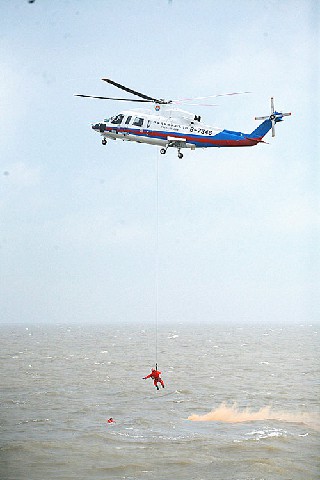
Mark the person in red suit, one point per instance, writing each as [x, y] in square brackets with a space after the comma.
[155, 375]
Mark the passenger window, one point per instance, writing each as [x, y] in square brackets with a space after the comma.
[138, 122]
[128, 120]
[117, 119]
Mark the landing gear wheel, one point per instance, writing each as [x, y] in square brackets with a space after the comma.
[180, 155]
[104, 142]
[163, 151]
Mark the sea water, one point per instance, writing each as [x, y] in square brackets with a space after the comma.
[239, 403]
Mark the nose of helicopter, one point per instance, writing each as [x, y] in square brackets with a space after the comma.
[99, 127]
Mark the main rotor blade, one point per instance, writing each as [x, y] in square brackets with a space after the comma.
[134, 92]
[197, 104]
[209, 96]
[112, 98]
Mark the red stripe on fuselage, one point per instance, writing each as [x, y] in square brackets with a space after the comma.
[195, 139]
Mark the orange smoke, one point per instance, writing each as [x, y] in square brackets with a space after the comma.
[232, 414]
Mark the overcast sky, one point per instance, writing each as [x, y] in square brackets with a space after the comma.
[238, 228]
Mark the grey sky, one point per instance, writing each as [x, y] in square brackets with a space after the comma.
[238, 228]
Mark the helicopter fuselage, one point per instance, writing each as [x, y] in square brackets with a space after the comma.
[178, 129]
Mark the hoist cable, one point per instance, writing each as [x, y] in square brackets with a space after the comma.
[157, 258]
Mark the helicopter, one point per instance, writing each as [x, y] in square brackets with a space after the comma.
[168, 126]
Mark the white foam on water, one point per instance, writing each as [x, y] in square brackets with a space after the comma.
[233, 414]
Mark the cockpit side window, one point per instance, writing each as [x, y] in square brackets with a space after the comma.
[138, 122]
[128, 120]
[117, 119]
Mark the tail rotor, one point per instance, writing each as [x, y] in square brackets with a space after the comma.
[274, 117]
